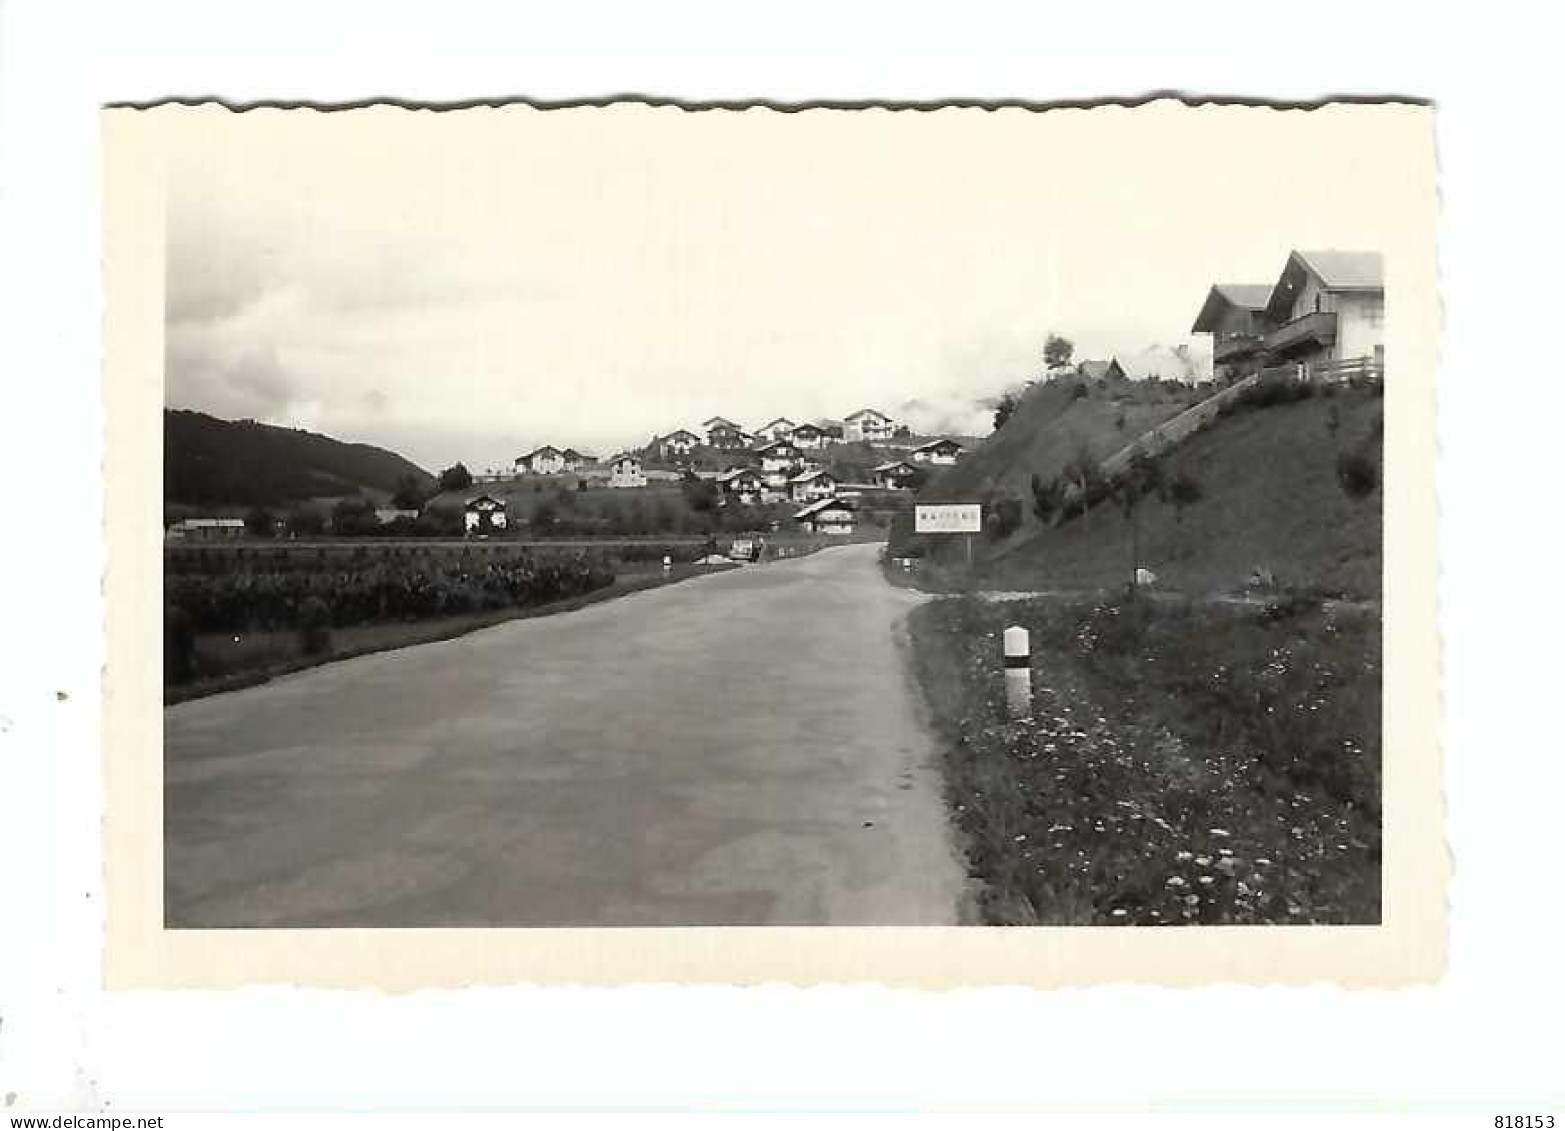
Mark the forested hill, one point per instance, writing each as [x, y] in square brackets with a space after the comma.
[211, 461]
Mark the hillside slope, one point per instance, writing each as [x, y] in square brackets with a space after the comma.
[209, 461]
[1271, 500]
[1051, 422]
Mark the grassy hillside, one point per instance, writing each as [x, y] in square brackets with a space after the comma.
[213, 462]
[1052, 421]
[1271, 500]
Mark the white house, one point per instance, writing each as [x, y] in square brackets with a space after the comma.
[894, 473]
[943, 452]
[207, 528]
[778, 429]
[681, 442]
[827, 516]
[723, 433]
[625, 471]
[779, 455]
[808, 437]
[385, 515]
[547, 460]
[868, 425]
[1328, 310]
[483, 514]
[812, 486]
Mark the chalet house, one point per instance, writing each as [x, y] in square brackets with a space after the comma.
[387, 515]
[574, 460]
[812, 486]
[625, 471]
[207, 529]
[779, 455]
[828, 516]
[778, 429]
[1327, 311]
[483, 515]
[1235, 315]
[741, 485]
[894, 474]
[942, 452]
[1109, 370]
[868, 425]
[547, 460]
[723, 433]
[680, 443]
[809, 437]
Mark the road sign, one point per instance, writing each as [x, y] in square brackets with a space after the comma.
[952, 518]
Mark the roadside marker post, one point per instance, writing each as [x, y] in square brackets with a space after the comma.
[1018, 672]
[668, 563]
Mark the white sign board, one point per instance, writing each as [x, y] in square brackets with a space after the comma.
[953, 518]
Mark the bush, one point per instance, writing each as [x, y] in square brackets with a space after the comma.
[1005, 515]
[1357, 474]
[179, 645]
[314, 627]
[1269, 391]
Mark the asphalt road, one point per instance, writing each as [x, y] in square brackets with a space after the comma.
[743, 748]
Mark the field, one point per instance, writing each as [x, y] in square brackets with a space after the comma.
[235, 614]
[1183, 763]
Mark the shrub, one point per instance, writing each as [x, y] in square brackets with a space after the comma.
[314, 627]
[1005, 515]
[1269, 391]
[1357, 474]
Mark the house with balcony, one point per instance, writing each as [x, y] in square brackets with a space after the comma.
[1327, 313]
[483, 515]
[895, 474]
[723, 433]
[1235, 315]
[942, 452]
[832, 515]
[778, 429]
[867, 425]
[741, 485]
[547, 460]
[625, 471]
[678, 443]
[779, 455]
[808, 437]
[812, 486]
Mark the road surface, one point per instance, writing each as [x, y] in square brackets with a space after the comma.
[742, 748]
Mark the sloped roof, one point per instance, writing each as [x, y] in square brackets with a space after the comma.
[681, 432]
[1098, 368]
[942, 442]
[811, 427]
[805, 477]
[718, 420]
[1346, 270]
[1243, 296]
[773, 444]
[774, 423]
[816, 507]
[891, 463]
[867, 412]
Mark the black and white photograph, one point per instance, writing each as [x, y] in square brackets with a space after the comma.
[679, 519]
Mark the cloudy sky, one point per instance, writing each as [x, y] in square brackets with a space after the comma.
[467, 286]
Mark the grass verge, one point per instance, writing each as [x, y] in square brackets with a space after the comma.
[1183, 763]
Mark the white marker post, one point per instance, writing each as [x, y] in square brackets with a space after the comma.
[668, 563]
[1018, 672]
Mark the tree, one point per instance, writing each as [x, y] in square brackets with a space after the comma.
[304, 521]
[260, 523]
[408, 496]
[354, 517]
[1005, 515]
[1003, 410]
[456, 478]
[1057, 352]
[901, 432]
[1143, 477]
[1048, 499]
[1357, 474]
[1183, 490]
[700, 494]
[1082, 471]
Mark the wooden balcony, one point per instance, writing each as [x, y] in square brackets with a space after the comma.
[1311, 332]
[1236, 346]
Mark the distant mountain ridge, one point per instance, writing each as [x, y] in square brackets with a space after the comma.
[210, 461]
